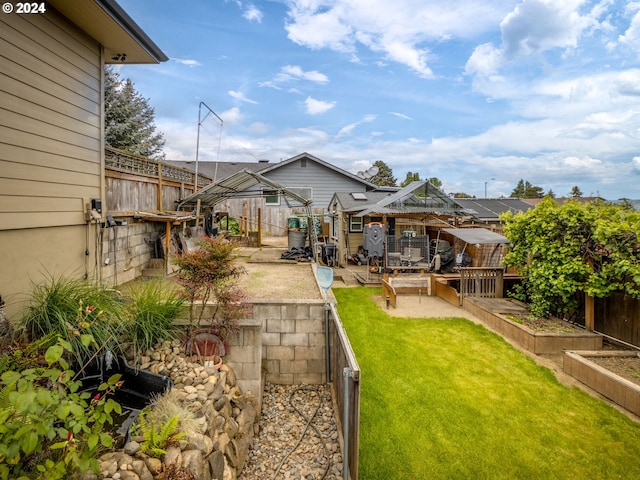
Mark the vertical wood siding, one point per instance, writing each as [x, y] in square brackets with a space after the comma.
[50, 132]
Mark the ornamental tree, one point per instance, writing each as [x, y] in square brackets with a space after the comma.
[565, 251]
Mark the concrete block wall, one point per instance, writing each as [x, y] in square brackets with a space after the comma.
[293, 340]
[128, 249]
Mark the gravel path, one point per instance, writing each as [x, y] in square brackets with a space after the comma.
[298, 437]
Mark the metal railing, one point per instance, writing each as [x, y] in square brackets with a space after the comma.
[344, 375]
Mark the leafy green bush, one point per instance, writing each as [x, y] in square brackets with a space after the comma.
[564, 251]
[77, 311]
[48, 428]
[153, 306]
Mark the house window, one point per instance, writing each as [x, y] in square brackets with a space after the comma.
[303, 162]
[271, 197]
[355, 224]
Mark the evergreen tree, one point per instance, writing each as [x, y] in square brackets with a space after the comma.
[575, 192]
[524, 189]
[384, 177]
[129, 119]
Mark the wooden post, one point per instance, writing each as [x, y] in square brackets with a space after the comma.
[160, 199]
[259, 227]
[589, 312]
[245, 220]
[167, 242]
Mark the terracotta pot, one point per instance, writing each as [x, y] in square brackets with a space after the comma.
[206, 344]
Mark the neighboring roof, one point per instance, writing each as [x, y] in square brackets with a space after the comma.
[273, 166]
[490, 209]
[418, 198]
[219, 170]
[237, 185]
[477, 235]
[105, 21]
[349, 202]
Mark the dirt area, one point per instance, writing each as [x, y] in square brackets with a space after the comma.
[269, 277]
[626, 367]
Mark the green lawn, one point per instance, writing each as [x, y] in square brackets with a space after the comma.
[447, 399]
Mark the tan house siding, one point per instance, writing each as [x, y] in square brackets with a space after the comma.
[50, 121]
[51, 147]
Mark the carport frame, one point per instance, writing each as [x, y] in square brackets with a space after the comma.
[238, 185]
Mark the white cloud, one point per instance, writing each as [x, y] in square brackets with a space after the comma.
[292, 73]
[253, 14]
[532, 28]
[240, 96]
[187, 62]
[316, 107]
[401, 115]
[398, 33]
[233, 116]
[348, 129]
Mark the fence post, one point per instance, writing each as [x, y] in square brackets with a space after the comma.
[347, 373]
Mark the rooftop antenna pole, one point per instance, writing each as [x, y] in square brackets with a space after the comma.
[200, 121]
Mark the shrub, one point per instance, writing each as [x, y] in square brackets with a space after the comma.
[77, 311]
[153, 306]
[48, 428]
[209, 274]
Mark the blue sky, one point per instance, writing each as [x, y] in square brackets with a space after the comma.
[477, 93]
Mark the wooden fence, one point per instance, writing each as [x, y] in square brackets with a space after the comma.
[618, 316]
[135, 183]
[481, 282]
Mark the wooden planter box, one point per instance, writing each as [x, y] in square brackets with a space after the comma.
[606, 383]
[531, 340]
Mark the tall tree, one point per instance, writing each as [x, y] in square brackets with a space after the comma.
[524, 189]
[575, 192]
[384, 177]
[411, 177]
[129, 118]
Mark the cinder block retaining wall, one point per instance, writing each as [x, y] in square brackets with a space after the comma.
[283, 340]
[125, 251]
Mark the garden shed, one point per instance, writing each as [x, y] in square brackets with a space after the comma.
[410, 219]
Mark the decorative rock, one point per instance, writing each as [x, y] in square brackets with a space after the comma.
[131, 448]
[197, 441]
[194, 461]
[154, 465]
[173, 455]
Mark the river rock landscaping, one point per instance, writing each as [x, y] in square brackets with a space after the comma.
[295, 437]
[225, 418]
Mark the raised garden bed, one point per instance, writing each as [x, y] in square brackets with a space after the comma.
[588, 367]
[542, 341]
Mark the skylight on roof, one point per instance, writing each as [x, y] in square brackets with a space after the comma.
[358, 195]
